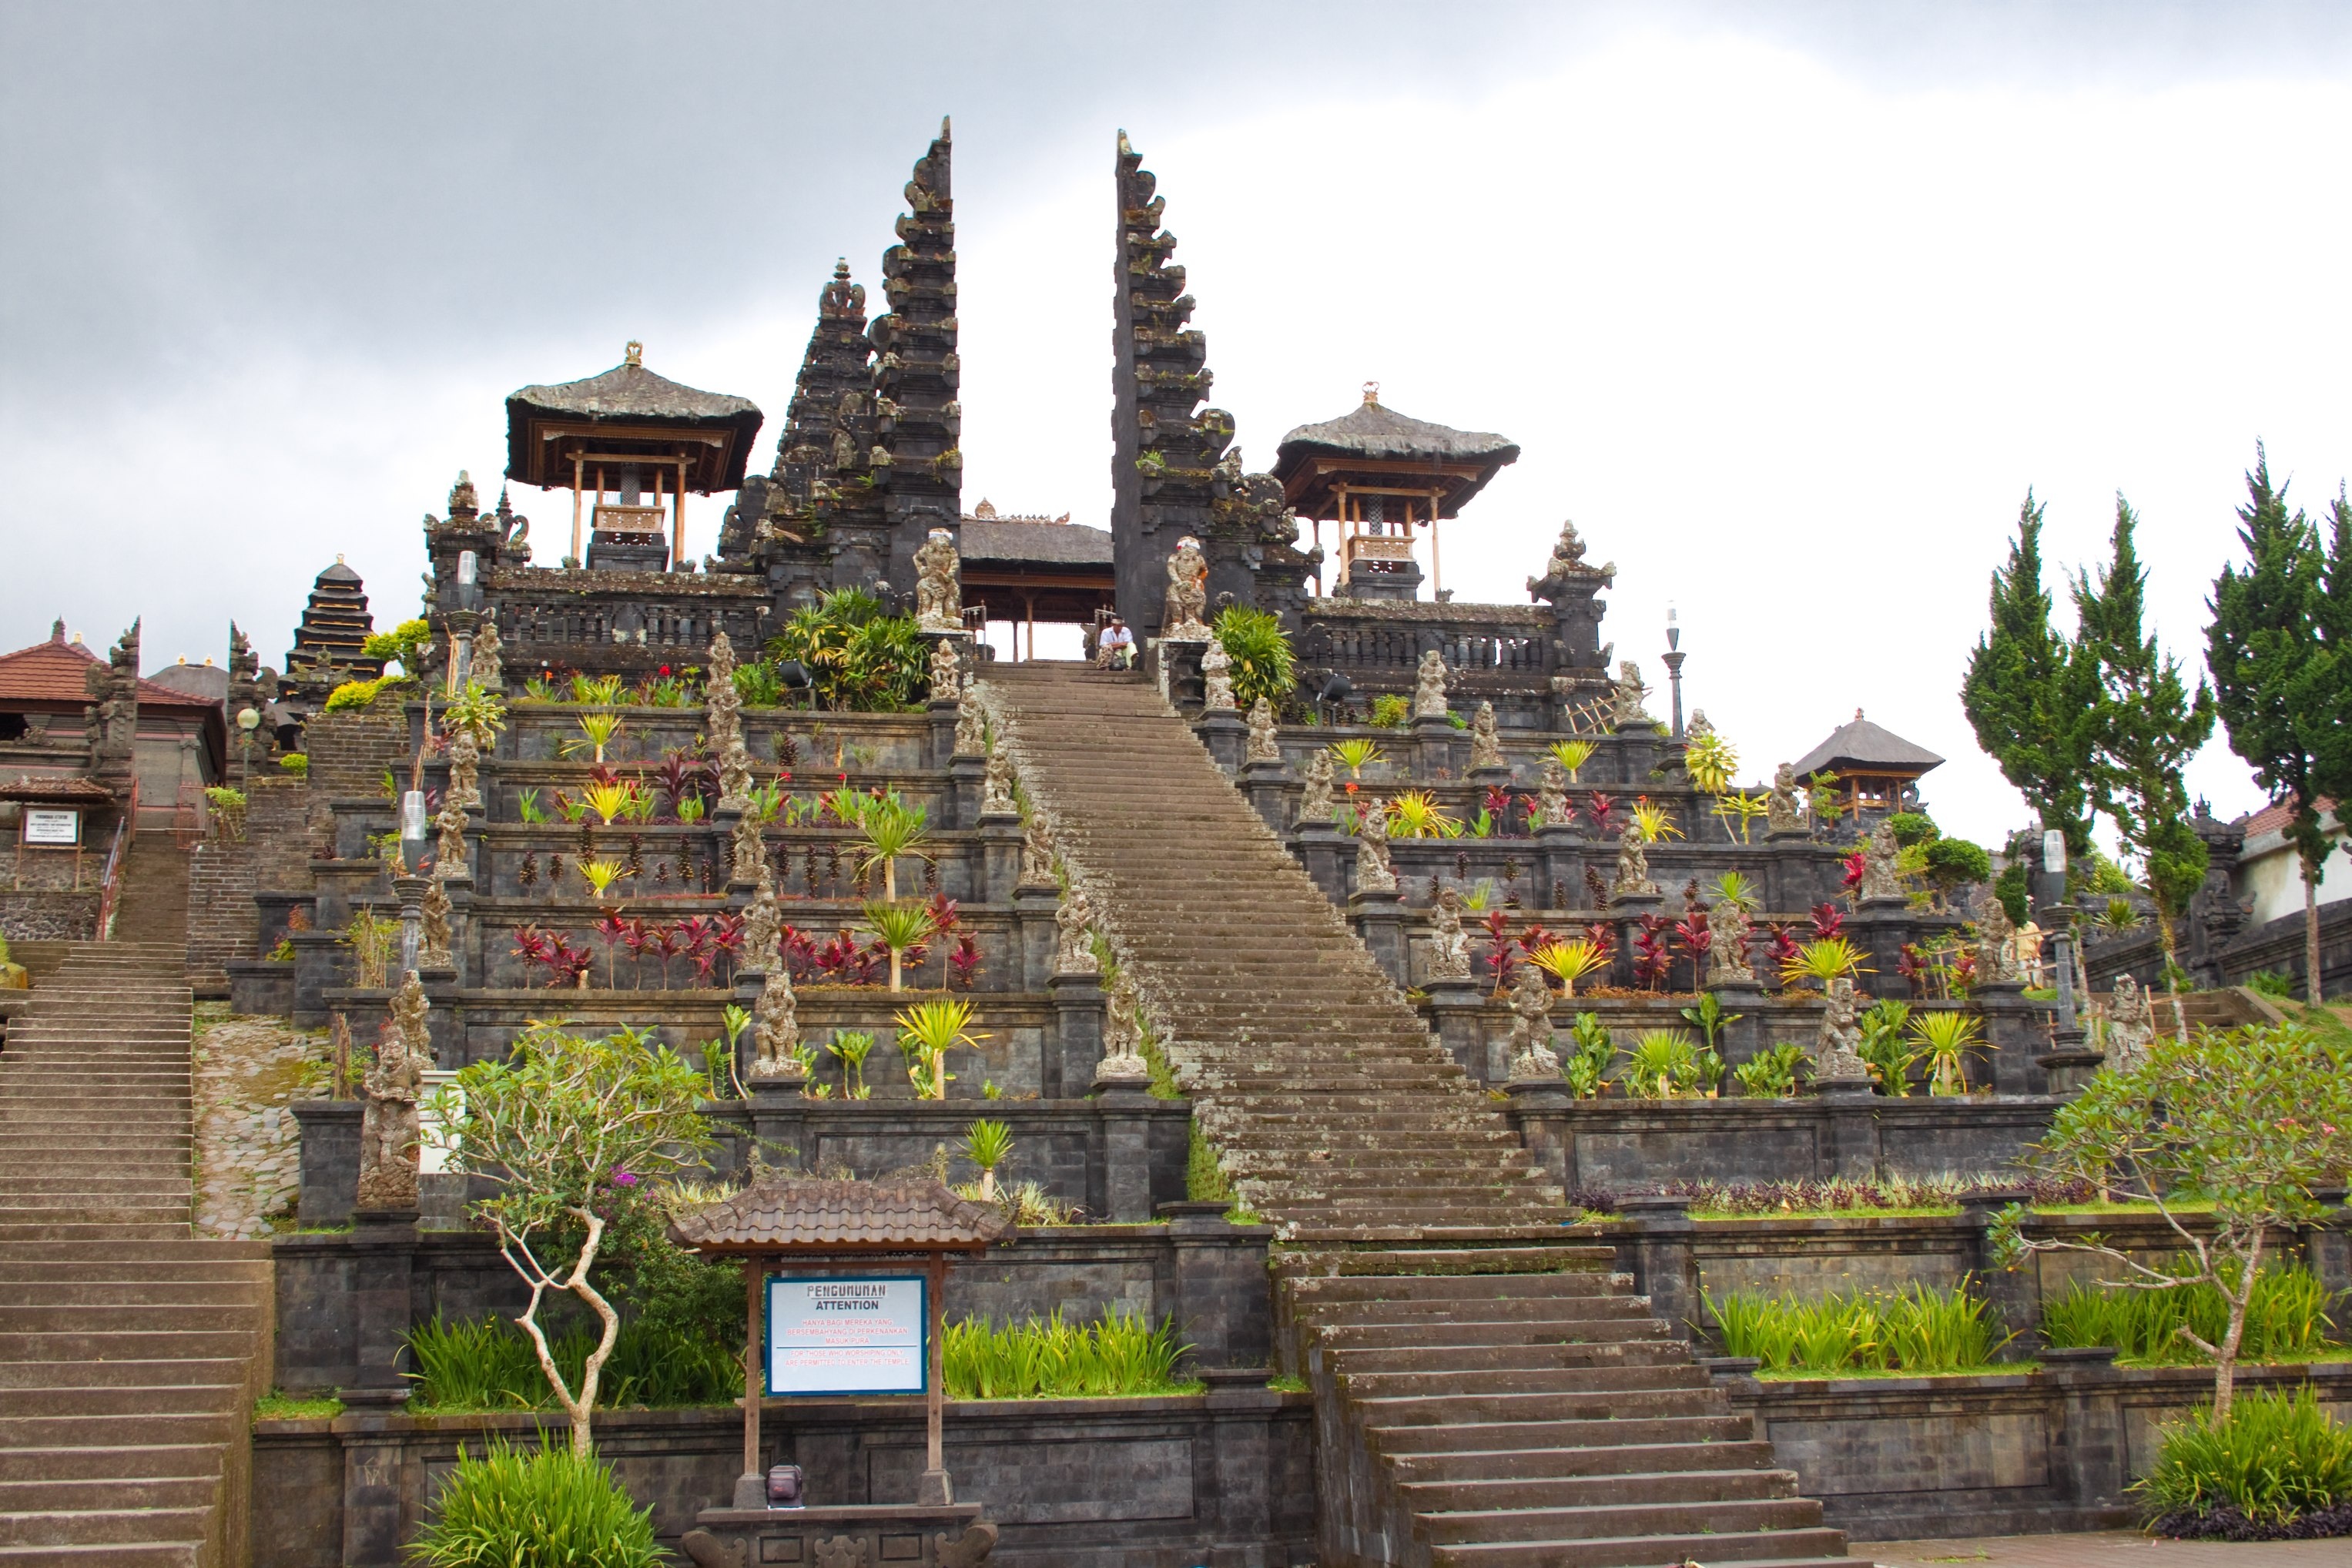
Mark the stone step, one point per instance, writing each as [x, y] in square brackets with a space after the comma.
[1358, 1363]
[119, 1429]
[1434, 1409]
[108, 1526]
[57, 1346]
[1774, 1548]
[1413, 1264]
[1515, 1310]
[142, 1291]
[1624, 1324]
[1397, 1440]
[116, 1387]
[1632, 1458]
[1583, 1272]
[97, 1463]
[1576, 1381]
[142, 1318]
[96, 1493]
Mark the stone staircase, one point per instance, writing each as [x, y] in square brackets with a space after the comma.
[129, 1350]
[153, 908]
[1488, 1391]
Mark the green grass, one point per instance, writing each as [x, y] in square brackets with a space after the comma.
[276, 1407]
[1913, 1211]
[1797, 1375]
[2184, 1207]
[545, 1507]
[1905, 1333]
[1287, 1385]
[488, 1364]
[1050, 1358]
[2286, 1322]
[2277, 1455]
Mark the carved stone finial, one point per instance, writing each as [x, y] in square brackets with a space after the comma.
[464, 503]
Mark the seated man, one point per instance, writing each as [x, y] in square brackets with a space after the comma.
[1117, 647]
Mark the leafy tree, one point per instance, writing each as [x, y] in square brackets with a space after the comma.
[2251, 1121]
[859, 657]
[2273, 670]
[566, 1127]
[2144, 725]
[404, 643]
[2026, 695]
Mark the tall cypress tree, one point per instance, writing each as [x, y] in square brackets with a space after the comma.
[2144, 726]
[2026, 695]
[2269, 663]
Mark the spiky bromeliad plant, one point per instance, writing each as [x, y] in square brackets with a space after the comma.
[891, 829]
[1946, 1039]
[927, 1032]
[900, 929]
[1568, 961]
[1572, 755]
[1355, 754]
[1260, 648]
[1415, 813]
[986, 1144]
[1822, 961]
[1656, 820]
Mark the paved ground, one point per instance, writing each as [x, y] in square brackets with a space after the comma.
[2102, 1549]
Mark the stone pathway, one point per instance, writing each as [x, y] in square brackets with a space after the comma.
[2103, 1549]
[248, 1147]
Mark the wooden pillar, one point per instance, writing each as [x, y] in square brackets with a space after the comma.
[1029, 609]
[678, 523]
[577, 462]
[1436, 576]
[754, 1380]
[937, 1487]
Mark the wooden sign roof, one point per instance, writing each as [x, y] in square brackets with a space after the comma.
[1374, 446]
[629, 412]
[783, 1215]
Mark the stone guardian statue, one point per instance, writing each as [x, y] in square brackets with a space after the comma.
[1188, 594]
[1531, 1052]
[1837, 1048]
[1449, 944]
[388, 1125]
[1315, 800]
[938, 590]
[1373, 874]
[1262, 746]
[1074, 933]
[1485, 745]
[1429, 687]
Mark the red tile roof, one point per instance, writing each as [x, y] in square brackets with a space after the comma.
[777, 1214]
[57, 789]
[2272, 818]
[57, 671]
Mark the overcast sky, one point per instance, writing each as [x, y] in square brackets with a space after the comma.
[1787, 306]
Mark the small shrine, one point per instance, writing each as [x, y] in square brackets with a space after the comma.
[630, 446]
[1022, 570]
[1876, 769]
[334, 629]
[1379, 474]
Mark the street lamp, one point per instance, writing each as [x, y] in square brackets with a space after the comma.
[2054, 905]
[247, 722]
[1675, 657]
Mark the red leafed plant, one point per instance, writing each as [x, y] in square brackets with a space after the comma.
[1653, 962]
[611, 928]
[1498, 806]
[834, 958]
[945, 918]
[963, 962]
[800, 953]
[1786, 948]
[1854, 863]
[1598, 807]
[1692, 931]
[1498, 948]
[1913, 966]
[1603, 938]
[1828, 920]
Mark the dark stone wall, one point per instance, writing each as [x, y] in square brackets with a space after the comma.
[1224, 1476]
[43, 916]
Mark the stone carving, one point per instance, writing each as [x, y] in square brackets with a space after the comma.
[449, 849]
[1449, 944]
[489, 670]
[1837, 1049]
[724, 727]
[465, 501]
[971, 726]
[1074, 934]
[947, 670]
[1552, 798]
[764, 924]
[842, 1551]
[1996, 945]
[775, 1029]
[1531, 1052]
[1567, 562]
[1262, 746]
[1727, 954]
[1037, 852]
[1784, 813]
[1632, 865]
[1878, 866]
[1485, 745]
[750, 849]
[111, 720]
[435, 953]
[1217, 678]
[1314, 802]
[1700, 725]
[2131, 1025]
[938, 590]
[1122, 1060]
[1188, 594]
[1429, 687]
[464, 790]
[996, 797]
[1629, 692]
[388, 1131]
[1373, 874]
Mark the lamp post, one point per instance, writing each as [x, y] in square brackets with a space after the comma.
[247, 722]
[2052, 898]
[1675, 657]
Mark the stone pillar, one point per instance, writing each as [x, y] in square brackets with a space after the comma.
[1743, 1038]
[2327, 1251]
[1452, 1010]
[1177, 666]
[1224, 732]
[384, 1259]
[1000, 849]
[372, 1488]
[779, 1121]
[330, 1160]
[2094, 1460]
[2069, 1069]
[1241, 1499]
[1377, 915]
[2015, 1302]
[1850, 1143]
[1665, 1268]
[1069, 1067]
[1559, 857]
[1487, 779]
[1122, 1105]
[1539, 1110]
[1883, 926]
[445, 1022]
[1638, 748]
[1033, 936]
[967, 786]
[2019, 1033]
[941, 752]
[464, 948]
[1224, 1304]
[1326, 853]
[1266, 786]
[1434, 738]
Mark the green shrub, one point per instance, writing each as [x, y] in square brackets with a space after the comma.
[2270, 982]
[1952, 862]
[297, 763]
[1047, 1358]
[353, 695]
[1772, 1074]
[1390, 712]
[1204, 1181]
[2276, 1456]
[545, 1510]
[2287, 1317]
[488, 1364]
[1914, 1329]
[1260, 650]
[1913, 827]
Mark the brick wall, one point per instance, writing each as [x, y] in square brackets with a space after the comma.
[348, 752]
[223, 878]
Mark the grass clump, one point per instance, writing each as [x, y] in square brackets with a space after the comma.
[488, 1364]
[1917, 1330]
[509, 1510]
[278, 1405]
[2276, 1468]
[1049, 1358]
[2286, 1321]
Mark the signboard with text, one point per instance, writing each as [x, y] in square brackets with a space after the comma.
[62, 829]
[838, 1334]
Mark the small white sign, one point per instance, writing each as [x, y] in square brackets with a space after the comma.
[841, 1335]
[50, 826]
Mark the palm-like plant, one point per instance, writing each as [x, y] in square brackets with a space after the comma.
[985, 1144]
[1567, 962]
[1737, 888]
[609, 799]
[1656, 820]
[1356, 756]
[1260, 651]
[598, 691]
[601, 873]
[891, 829]
[1662, 1063]
[858, 656]
[1823, 961]
[1415, 813]
[1711, 761]
[927, 1032]
[597, 732]
[477, 713]
[1739, 809]
[1946, 1038]
[849, 1047]
[1571, 755]
[900, 928]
